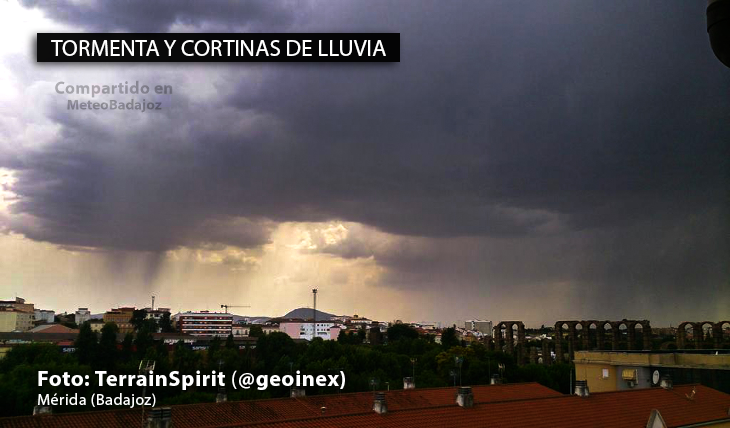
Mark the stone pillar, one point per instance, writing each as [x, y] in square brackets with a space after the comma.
[498, 337]
[682, 335]
[586, 335]
[533, 355]
[509, 338]
[600, 336]
[699, 335]
[616, 332]
[521, 343]
[558, 338]
[572, 334]
[631, 328]
[717, 335]
[647, 335]
[546, 358]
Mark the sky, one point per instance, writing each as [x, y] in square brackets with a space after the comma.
[525, 160]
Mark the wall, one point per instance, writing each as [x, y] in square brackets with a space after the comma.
[291, 328]
[8, 320]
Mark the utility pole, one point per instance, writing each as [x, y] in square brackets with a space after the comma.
[314, 314]
[153, 302]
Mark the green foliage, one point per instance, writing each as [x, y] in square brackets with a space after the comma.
[366, 366]
[166, 324]
[398, 332]
[256, 331]
[448, 338]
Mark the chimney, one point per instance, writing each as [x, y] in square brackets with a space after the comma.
[666, 382]
[379, 404]
[42, 410]
[464, 397]
[298, 392]
[159, 417]
[221, 397]
[581, 388]
[496, 380]
[409, 383]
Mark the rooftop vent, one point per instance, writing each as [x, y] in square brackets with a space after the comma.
[409, 383]
[666, 382]
[42, 410]
[464, 397]
[298, 392]
[159, 417]
[379, 404]
[496, 380]
[221, 397]
[581, 388]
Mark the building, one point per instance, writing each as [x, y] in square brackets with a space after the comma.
[303, 329]
[270, 328]
[12, 319]
[622, 370]
[482, 326]
[240, 330]
[82, 315]
[122, 317]
[44, 316]
[156, 314]
[504, 406]
[96, 325]
[205, 323]
[19, 304]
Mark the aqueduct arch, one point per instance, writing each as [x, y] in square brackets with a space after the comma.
[507, 340]
[600, 335]
[698, 334]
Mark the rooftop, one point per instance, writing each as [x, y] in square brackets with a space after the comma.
[511, 405]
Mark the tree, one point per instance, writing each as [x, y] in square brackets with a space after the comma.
[143, 340]
[138, 318]
[398, 332]
[86, 344]
[230, 344]
[166, 323]
[375, 337]
[255, 331]
[107, 355]
[448, 338]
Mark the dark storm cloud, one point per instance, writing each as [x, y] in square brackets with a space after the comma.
[598, 127]
[158, 16]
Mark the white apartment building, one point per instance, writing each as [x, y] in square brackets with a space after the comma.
[482, 326]
[46, 316]
[205, 323]
[82, 315]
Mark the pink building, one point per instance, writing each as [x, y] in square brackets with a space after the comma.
[301, 329]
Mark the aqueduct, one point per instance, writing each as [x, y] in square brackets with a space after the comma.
[698, 333]
[614, 333]
[568, 336]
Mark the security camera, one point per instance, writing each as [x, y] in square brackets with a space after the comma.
[718, 28]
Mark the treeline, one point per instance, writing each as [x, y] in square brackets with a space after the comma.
[373, 366]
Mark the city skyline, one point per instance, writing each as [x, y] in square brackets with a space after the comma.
[535, 161]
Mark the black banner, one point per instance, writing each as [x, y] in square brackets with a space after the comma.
[218, 47]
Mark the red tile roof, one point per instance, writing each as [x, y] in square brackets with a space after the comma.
[602, 410]
[512, 405]
[242, 412]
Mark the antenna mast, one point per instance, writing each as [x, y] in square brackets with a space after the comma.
[314, 314]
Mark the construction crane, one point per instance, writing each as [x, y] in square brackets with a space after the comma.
[234, 306]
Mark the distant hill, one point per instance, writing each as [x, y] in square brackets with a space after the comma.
[306, 313]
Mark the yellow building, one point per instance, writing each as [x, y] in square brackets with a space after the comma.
[615, 371]
[12, 319]
[121, 317]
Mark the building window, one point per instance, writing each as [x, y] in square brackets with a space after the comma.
[605, 373]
